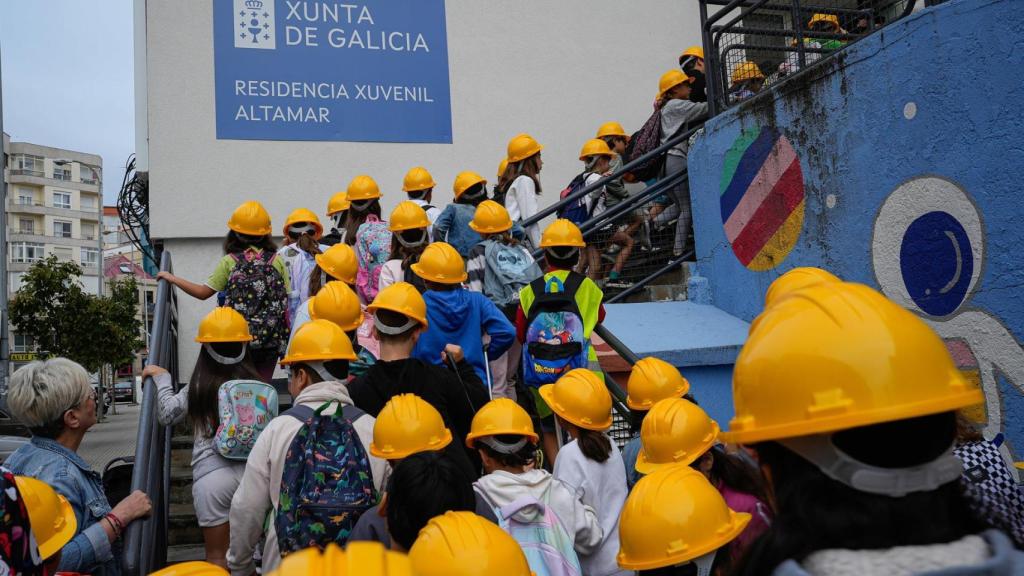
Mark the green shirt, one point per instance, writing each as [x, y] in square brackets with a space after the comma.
[218, 280]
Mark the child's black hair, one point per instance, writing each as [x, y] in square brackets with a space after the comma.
[393, 319]
[473, 195]
[562, 263]
[526, 455]
[439, 287]
[595, 445]
[235, 243]
[422, 486]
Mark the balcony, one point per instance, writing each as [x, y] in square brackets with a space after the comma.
[40, 237]
[42, 209]
[24, 172]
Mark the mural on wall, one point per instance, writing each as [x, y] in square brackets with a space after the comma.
[762, 198]
[928, 254]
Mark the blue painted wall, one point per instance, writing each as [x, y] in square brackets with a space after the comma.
[912, 163]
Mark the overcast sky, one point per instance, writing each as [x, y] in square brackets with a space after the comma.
[67, 78]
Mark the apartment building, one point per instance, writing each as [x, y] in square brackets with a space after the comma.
[54, 206]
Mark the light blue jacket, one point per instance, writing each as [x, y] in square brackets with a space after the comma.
[452, 226]
[629, 453]
[90, 551]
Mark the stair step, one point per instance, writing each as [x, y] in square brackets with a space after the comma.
[185, 553]
[182, 526]
[181, 485]
[182, 441]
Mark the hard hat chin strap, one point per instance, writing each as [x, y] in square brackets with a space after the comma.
[704, 563]
[896, 482]
[227, 361]
[320, 369]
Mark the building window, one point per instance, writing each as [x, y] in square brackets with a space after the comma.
[90, 257]
[26, 197]
[88, 232]
[61, 172]
[125, 268]
[28, 164]
[62, 200]
[62, 228]
[88, 174]
[23, 343]
[26, 252]
[88, 203]
[26, 226]
[62, 253]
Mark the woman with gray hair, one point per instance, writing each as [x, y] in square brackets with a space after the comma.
[54, 399]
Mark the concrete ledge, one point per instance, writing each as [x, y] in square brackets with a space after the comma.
[680, 333]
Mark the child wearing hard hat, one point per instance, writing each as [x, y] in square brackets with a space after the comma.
[675, 523]
[317, 360]
[224, 356]
[859, 453]
[418, 184]
[591, 464]
[513, 484]
[255, 282]
[35, 524]
[410, 229]
[691, 62]
[525, 164]
[747, 81]
[357, 559]
[338, 303]
[678, 113]
[302, 232]
[650, 380]
[456, 315]
[596, 157]
[452, 226]
[337, 213]
[368, 234]
[464, 544]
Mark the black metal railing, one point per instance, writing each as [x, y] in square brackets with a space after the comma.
[145, 541]
[752, 44]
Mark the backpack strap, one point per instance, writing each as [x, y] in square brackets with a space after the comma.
[572, 283]
[300, 412]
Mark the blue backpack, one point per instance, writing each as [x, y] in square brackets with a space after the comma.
[326, 484]
[246, 407]
[547, 545]
[575, 211]
[555, 341]
[507, 270]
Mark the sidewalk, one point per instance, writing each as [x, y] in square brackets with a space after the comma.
[113, 437]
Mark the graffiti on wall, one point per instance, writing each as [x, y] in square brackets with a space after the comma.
[928, 254]
[762, 198]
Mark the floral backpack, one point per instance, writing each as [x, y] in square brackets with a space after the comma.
[246, 407]
[257, 291]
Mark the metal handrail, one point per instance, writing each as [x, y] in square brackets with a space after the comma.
[670, 265]
[628, 167]
[145, 541]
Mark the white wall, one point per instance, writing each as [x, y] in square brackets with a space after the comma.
[554, 69]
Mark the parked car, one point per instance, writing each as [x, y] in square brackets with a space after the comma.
[11, 427]
[124, 391]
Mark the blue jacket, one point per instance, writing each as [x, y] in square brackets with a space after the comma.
[452, 226]
[90, 550]
[462, 317]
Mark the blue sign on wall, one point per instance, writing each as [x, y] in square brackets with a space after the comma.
[373, 71]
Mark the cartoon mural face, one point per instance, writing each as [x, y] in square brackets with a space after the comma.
[928, 253]
[762, 198]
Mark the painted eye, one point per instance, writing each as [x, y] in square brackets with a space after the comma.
[928, 246]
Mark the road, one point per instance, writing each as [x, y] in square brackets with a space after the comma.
[113, 437]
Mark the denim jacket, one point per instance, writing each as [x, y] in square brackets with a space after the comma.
[452, 226]
[90, 551]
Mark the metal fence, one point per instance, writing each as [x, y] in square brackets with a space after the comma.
[753, 44]
[145, 541]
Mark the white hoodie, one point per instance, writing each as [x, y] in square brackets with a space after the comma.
[260, 489]
[501, 488]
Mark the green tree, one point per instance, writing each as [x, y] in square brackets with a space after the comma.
[64, 320]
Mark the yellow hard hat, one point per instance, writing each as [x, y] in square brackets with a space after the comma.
[223, 324]
[407, 216]
[562, 232]
[794, 280]
[611, 129]
[339, 262]
[319, 341]
[580, 397]
[653, 379]
[490, 218]
[363, 188]
[466, 180]
[303, 215]
[675, 431]
[501, 167]
[674, 516]
[358, 559]
[670, 80]
[464, 544]
[51, 515]
[746, 70]
[195, 568]
[695, 51]
[830, 18]
[251, 219]
[418, 179]
[595, 147]
[440, 263]
[403, 298]
[337, 302]
[521, 147]
[835, 356]
[338, 203]
[407, 425]
[501, 416]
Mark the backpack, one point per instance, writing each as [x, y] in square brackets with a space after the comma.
[548, 546]
[326, 484]
[555, 341]
[246, 407]
[300, 266]
[647, 138]
[256, 290]
[507, 269]
[575, 211]
[409, 276]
